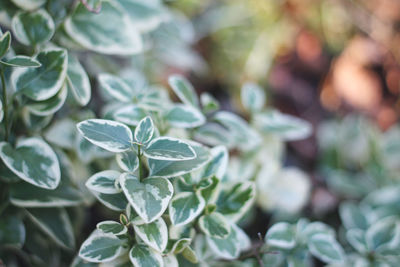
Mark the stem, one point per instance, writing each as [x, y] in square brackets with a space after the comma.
[5, 106]
[140, 163]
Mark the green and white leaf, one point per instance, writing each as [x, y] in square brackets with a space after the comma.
[168, 148]
[352, 216]
[253, 97]
[190, 255]
[28, 4]
[104, 182]
[110, 135]
[62, 133]
[112, 227]
[144, 131]
[12, 231]
[26, 195]
[115, 202]
[116, 87]
[5, 41]
[218, 163]
[289, 128]
[45, 81]
[48, 106]
[215, 225]
[383, 234]
[185, 116]
[101, 247]
[149, 197]
[214, 134]
[34, 161]
[184, 90]
[168, 169]
[209, 189]
[326, 248]
[21, 61]
[356, 238]
[130, 114]
[143, 256]
[185, 207]
[78, 81]
[154, 234]
[281, 235]
[33, 28]
[128, 161]
[90, 30]
[209, 103]
[55, 223]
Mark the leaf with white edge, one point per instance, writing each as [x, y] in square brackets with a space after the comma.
[34, 161]
[168, 148]
[246, 138]
[185, 116]
[281, 235]
[55, 223]
[104, 182]
[12, 231]
[87, 151]
[144, 131]
[128, 161]
[48, 106]
[112, 227]
[5, 41]
[116, 87]
[215, 225]
[356, 238]
[154, 234]
[315, 228]
[89, 30]
[230, 247]
[185, 207]
[190, 255]
[253, 97]
[29, 4]
[352, 216]
[237, 200]
[21, 61]
[149, 197]
[170, 261]
[168, 169]
[184, 90]
[214, 134]
[383, 234]
[289, 128]
[26, 195]
[130, 114]
[109, 135]
[209, 189]
[218, 163]
[326, 248]
[1, 111]
[33, 28]
[101, 247]
[115, 202]
[45, 81]
[179, 245]
[209, 103]
[62, 133]
[78, 81]
[142, 256]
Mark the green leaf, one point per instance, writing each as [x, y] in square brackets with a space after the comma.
[26, 195]
[356, 238]
[33, 28]
[289, 128]
[21, 61]
[62, 133]
[218, 163]
[5, 41]
[149, 197]
[184, 90]
[253, 97]
[142, 256]
[326, 248]
[104, 182]
[112, 227]
[130, 114]
[128, 161]
[236, 201]
[214, 134]
[110, 135]
[144, 131]
[209, 103]
[209, 189]
[43, 82]
[12, 231]
[91, 31]
[116, 87]
[179, 245]
[352, 216]
[383, 234]
[101, 247]
[34, 161]
[230, 247]
[55, 223]
[1, 111]
[167, 169]
[154, 234]
[168, 148]
[190, 255]
[115, 202]
[281, 235]
[78, 81]
[215, 225]
[49, 106]
[29, 4]
[185, 116]
[185, 207]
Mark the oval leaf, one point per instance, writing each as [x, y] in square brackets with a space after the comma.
[141, 255]
[168, 148]
[130, 114]
[214, 225]
[154, 234]
[185, 207]
[112, 227]
[144, 131]
[185, 116]
[184, 90]
[100, 247]
[326, 248]
[281, 235]
[78, 81]
[116, 87]
[22, 61]
[104, 182]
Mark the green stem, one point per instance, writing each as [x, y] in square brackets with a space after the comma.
[140, 163]
[5, 106]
